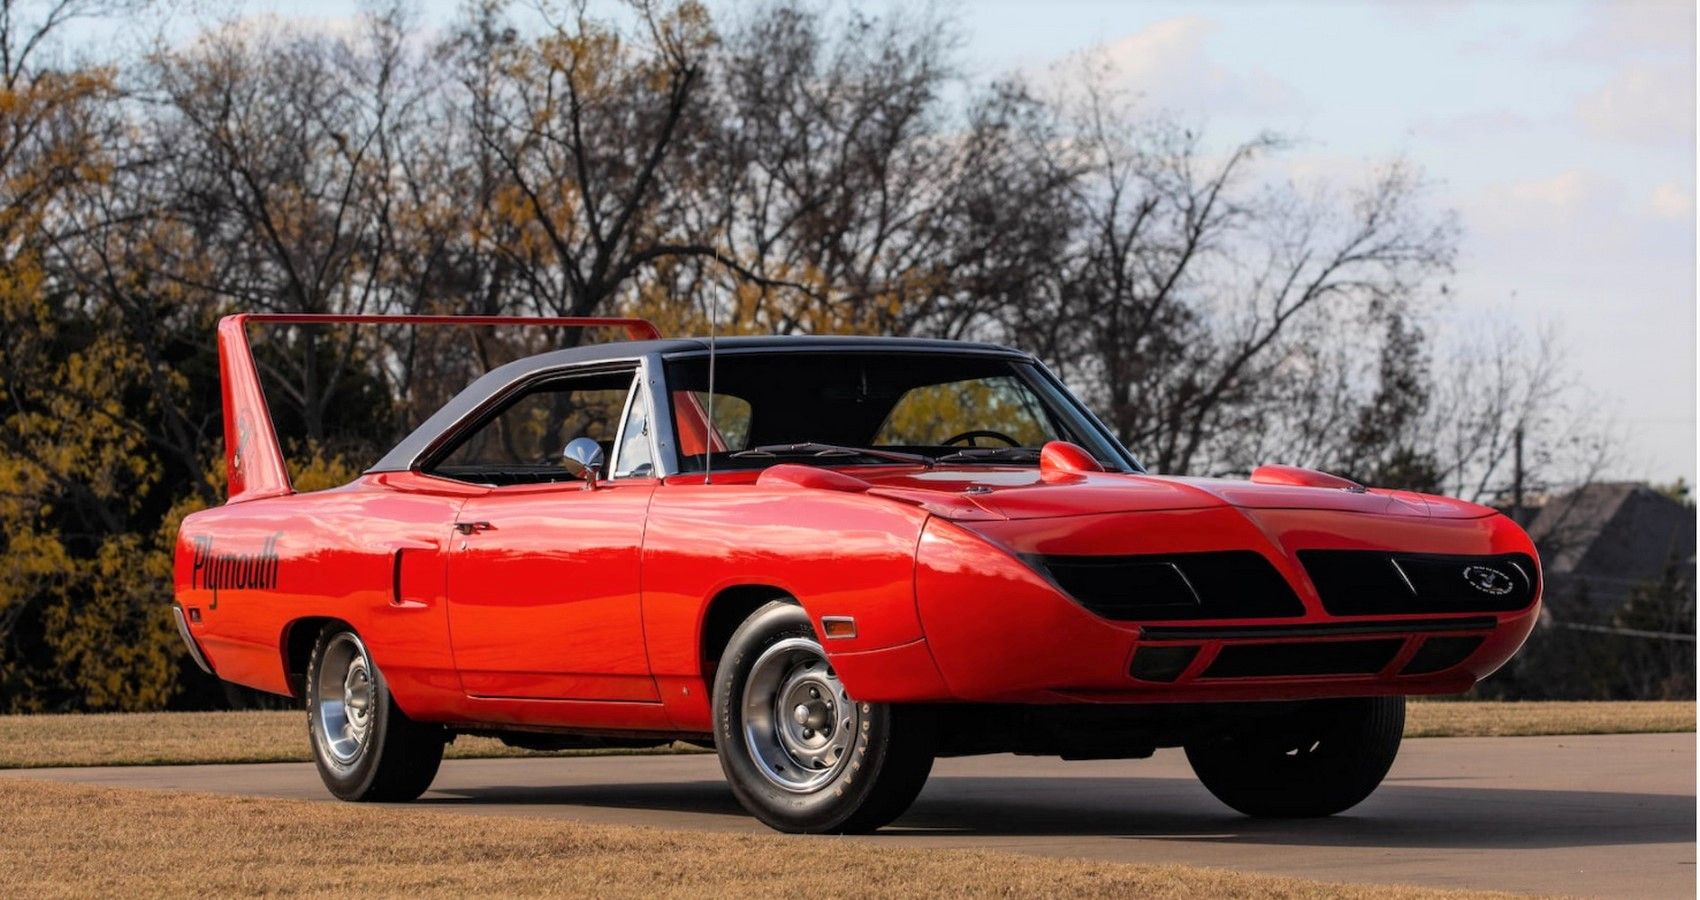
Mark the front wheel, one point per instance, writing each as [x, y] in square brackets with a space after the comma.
[1324, 759]
[801, 754]
[365, 747]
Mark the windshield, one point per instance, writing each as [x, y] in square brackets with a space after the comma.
[921, 408]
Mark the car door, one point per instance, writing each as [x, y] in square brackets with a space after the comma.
[543, 569]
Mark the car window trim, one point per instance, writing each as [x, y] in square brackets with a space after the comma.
[635, 394]
[446, 442]
[1025, 367]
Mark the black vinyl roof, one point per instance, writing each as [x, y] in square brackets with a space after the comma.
[499, 379]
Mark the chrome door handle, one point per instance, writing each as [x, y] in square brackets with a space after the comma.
[472, 527]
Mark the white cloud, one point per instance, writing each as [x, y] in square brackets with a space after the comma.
[1617, 30]
[1555, 200]
[1646, 50]
[1673, 200]
[1643, 102]
[1168, 64]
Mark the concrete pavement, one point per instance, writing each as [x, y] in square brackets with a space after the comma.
[1609, 815]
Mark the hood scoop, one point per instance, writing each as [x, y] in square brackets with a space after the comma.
[796, 475]
[938, 503]
[1297, 477]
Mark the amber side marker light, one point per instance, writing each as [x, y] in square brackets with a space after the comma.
[837, 627]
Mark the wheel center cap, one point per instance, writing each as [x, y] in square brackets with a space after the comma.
[811, 714]
[357, 692]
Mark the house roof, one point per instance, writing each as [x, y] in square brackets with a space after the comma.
[1613, 535]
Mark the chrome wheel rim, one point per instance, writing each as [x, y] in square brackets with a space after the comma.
[799, 722]
[345, 699]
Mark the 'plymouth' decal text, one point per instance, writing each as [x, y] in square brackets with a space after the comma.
[233, 571]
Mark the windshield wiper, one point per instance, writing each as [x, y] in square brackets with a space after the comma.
[828, 451]
[991, 455]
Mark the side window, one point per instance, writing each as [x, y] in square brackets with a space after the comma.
[522, 443]
[634, 458]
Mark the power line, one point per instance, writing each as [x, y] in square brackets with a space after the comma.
[1627, 632]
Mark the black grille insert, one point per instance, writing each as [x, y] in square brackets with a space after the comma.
[1162, 664]
[1314, 658]
[1438, 654]
[1235, 584]
[1314, 629]
[1375, 582]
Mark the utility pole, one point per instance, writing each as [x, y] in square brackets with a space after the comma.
[1517, 476]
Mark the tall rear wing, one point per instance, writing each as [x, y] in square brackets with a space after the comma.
[252, 454]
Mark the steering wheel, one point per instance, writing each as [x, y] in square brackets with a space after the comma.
[978, 433]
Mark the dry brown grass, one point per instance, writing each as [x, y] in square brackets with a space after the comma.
[74, 841]
[1485, 719]
[233, 737]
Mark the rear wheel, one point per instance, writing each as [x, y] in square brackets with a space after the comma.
[801, 754]
[1324, 759]
[365, 747]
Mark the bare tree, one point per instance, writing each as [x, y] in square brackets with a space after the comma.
[840, 164]
[1196, 281]
[279, 160]
[1501, 387]
[586, 125]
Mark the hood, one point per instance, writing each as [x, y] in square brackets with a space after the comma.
[1023, 493]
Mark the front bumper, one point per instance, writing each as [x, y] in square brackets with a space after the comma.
[998, 630]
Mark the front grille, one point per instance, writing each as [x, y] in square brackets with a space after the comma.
[1365, 657]
[1376, 582]
[1237, 584]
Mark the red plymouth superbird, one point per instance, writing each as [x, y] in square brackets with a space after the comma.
[831, 559]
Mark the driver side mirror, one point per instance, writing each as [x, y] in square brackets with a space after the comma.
[583, 459]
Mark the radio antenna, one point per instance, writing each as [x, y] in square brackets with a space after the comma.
[708, 428]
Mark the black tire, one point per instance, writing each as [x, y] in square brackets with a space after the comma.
[886, 755]
[395, 758]
[1324, 759]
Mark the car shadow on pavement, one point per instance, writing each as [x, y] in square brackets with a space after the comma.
[1396, 816]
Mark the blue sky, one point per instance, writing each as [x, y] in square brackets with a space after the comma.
[1563, 134]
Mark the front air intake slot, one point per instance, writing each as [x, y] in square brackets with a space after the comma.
[1376, 582]
[1162, 664]
[1437, 654]
[1318, 658]
[1236, 584]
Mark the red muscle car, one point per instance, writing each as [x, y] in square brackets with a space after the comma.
[831, 559]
